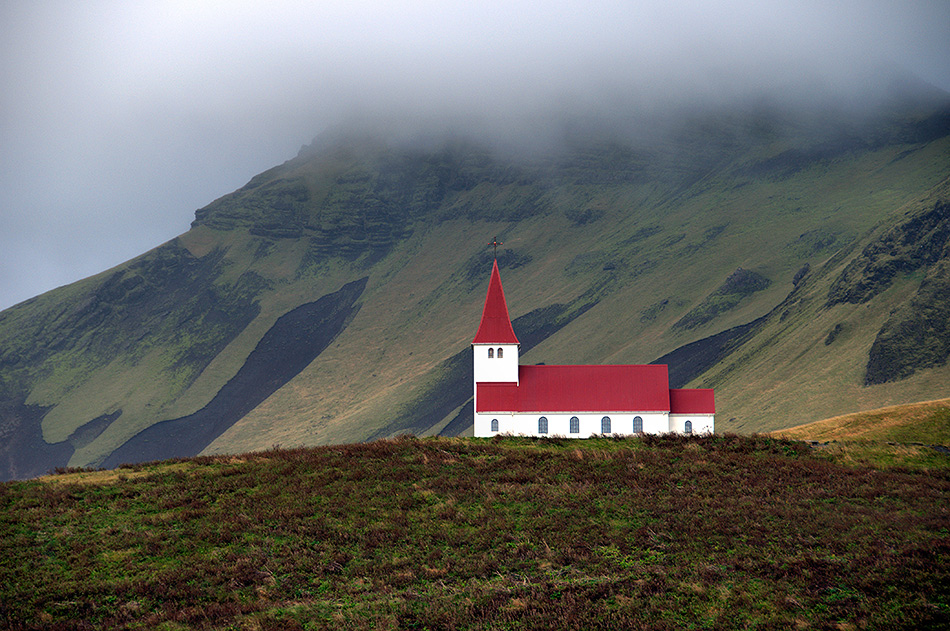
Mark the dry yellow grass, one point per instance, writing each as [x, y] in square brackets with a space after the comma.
[111, 476]
[924, 422]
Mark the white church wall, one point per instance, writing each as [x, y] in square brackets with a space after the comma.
[655, 423]
[701, 423]
[482, 426]
[527, 424]
[495, 369]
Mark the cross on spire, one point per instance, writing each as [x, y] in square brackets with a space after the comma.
[495, 243]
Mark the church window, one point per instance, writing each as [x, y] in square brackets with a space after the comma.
[575, 425]
[689, 427]
[494, 425]
[543, 425]
[605, 425]
[637, 424]
[491, 353]
[501, 352]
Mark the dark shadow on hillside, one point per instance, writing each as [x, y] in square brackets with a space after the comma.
[462, 421]
[23, 452]
[738, 285]
[295, 340]
[688, 362]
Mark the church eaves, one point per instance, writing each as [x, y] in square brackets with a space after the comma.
[495, 327]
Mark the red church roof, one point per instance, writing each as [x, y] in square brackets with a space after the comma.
[495, 327]
[632, 388]
[692, 401]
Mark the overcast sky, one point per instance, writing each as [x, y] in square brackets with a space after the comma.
[119, 119]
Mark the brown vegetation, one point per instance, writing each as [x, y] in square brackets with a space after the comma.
[722, 532]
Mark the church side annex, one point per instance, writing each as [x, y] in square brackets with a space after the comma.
[573, 401]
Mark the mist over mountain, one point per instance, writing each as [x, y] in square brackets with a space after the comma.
[118, 120]
[813, 108]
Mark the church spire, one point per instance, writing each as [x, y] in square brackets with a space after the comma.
[495, 327]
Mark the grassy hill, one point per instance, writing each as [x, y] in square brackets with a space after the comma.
[722, 532]
[915, 435]
[926, 422]
[796, 263]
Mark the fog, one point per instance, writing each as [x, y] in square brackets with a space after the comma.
[118, 119]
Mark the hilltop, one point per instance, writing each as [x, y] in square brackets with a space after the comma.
[925, 422]
[722, 532]
[794, 261]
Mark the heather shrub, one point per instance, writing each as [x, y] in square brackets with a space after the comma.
[671, 532]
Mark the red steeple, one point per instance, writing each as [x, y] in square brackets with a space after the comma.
[495, 327]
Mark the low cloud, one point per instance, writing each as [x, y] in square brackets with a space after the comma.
[119, 119]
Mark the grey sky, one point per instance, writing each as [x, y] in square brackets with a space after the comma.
[119, 119]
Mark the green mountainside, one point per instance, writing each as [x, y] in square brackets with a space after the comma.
[797, 264]
[648, 532]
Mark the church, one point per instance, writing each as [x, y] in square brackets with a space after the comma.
[573, 401]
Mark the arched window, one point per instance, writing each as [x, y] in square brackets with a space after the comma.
[575, 425]
[543, 425]
[501, 353]
[637, 424]
[605, 425]
[689, 427]
[494, 425]
[491, 353]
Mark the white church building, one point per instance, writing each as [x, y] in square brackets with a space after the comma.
[573, 401]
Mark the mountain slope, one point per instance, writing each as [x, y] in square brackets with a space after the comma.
[757, 236]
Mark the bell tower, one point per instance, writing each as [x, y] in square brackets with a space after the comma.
[495, 347]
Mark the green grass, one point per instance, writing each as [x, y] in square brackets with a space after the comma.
[882, 455]
[722, 532]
